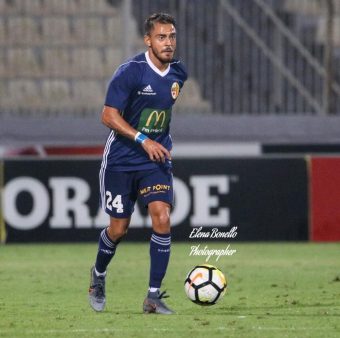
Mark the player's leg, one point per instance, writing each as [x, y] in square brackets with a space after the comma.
[156, 190]
[108, 241]
[159, 243]
[159, 257]
[118, 202]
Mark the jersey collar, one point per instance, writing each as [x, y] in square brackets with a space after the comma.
[154, 68]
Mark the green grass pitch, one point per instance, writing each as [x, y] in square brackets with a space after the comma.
[274, 290]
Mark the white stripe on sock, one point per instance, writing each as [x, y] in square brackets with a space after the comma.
[164, 243]
[106, 240]
[161, 239]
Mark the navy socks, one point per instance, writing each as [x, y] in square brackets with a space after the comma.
[106, 251]
[159, 255]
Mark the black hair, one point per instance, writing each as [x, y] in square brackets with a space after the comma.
[157, 17]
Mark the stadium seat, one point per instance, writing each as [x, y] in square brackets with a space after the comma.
[40, 7]
[89, 93]
[4, 93]
[89, 30]
[19, 7]
[24, 94]
[47, 7]
[114, 30]
[23, 30]
[87, 62]
[3, 33]
[56, 30]
[98, 7]
[2, 7]
[56, 61]
[65, 7]
[3, 64]
[23, 62]
[56, 94]
[9, 7]
[113, 57]
[31, 7]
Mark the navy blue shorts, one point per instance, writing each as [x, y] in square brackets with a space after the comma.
[119, 190]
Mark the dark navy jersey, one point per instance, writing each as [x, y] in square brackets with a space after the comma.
[144, 95]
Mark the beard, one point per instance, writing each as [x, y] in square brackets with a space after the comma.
[165, 56]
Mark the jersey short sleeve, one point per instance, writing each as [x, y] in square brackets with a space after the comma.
[122, 83]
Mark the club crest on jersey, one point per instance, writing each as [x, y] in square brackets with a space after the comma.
[175, 90]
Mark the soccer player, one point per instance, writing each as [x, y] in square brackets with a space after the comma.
[137, 160]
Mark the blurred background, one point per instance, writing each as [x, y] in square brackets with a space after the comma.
[260, 70]
[264, 79]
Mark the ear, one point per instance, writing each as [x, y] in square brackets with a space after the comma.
[147, 40]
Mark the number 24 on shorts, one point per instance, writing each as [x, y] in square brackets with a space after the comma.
[114, 203]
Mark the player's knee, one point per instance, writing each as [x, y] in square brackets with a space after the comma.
[163, 219]
[161, 222]
[117, 230]
[118, 234]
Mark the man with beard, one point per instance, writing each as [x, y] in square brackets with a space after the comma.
[137, 156]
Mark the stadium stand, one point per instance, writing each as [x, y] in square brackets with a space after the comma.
[321, 33]
[256, 57]
[256, 66]
[312, 14]
[59, 55]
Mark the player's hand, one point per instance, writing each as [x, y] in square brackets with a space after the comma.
[156, 151]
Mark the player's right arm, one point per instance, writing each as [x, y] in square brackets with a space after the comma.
[112, 118]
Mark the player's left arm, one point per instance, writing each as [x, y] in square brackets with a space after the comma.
[112, 118]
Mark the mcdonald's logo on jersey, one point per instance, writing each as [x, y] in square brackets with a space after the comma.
[154, 120]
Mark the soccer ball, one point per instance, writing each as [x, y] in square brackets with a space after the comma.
[205, 284]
